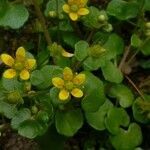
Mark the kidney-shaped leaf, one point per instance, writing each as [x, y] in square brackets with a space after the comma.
[97, 119]
[122, 9]
[21, 116]
[123, 94]
[116, 117]
[15, 16]
[127, 139]
[68, 123]
[112, 73]
[31, 128]
[7, 110]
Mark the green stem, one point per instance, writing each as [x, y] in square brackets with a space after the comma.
[137, 51]
[79, 64]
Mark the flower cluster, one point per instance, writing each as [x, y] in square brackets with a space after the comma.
[69, 84]
[76, 8]
[21, 65]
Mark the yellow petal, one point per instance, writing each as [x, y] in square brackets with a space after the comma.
[66, 8]
[58, 82]
[66, 54]
[63, 95]
[30, 63]
[24, 74]
[77, 93]
[7, 59]
[20, 53]
[83, 11]
[9, 73]
[79, 79]
[67, 74]
[73, 16]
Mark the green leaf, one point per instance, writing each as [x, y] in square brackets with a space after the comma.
[14, 16]
[52, 6]
[20, 116]
[70, 38]
[114, 46]
[44, 102]
[43, 116]
[97, 119]
[122, 9]
[81, 50]
[145, 49]
[51, 140]
[116, 117]
[92, 19]
[123, 94]
[147, 5]
[94, 93]
[141, 109]
[43, 57]
[135, 41]
[100, 37]
[43, 78]
[12, 84]
[30, 129]
[127, 139]
[91, 63]
[145, 63]
[37, 77]
[68, 123]
[65, 25]
[112, 73]
[7, 110]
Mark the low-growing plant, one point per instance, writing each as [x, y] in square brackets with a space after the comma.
[76, 68]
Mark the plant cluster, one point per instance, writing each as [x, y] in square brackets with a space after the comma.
[79, 68]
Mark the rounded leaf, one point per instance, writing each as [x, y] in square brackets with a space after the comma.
[68, 123]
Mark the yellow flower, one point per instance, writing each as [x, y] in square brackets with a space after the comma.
[69, 84]
[21, 65]
[76, 8]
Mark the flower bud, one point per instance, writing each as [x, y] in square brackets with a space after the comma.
[102, 18]
[96, 50]
[34, 109]
[14, 97]
[27, 86]
[108, 28]
[52, 14]
[55, 49]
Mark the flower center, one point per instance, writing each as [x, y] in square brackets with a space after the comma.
[74, 8]
[69, 85]
[18, 66]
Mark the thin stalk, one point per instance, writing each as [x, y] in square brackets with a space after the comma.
[135, 87]
[43, 22]
[125, 55]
